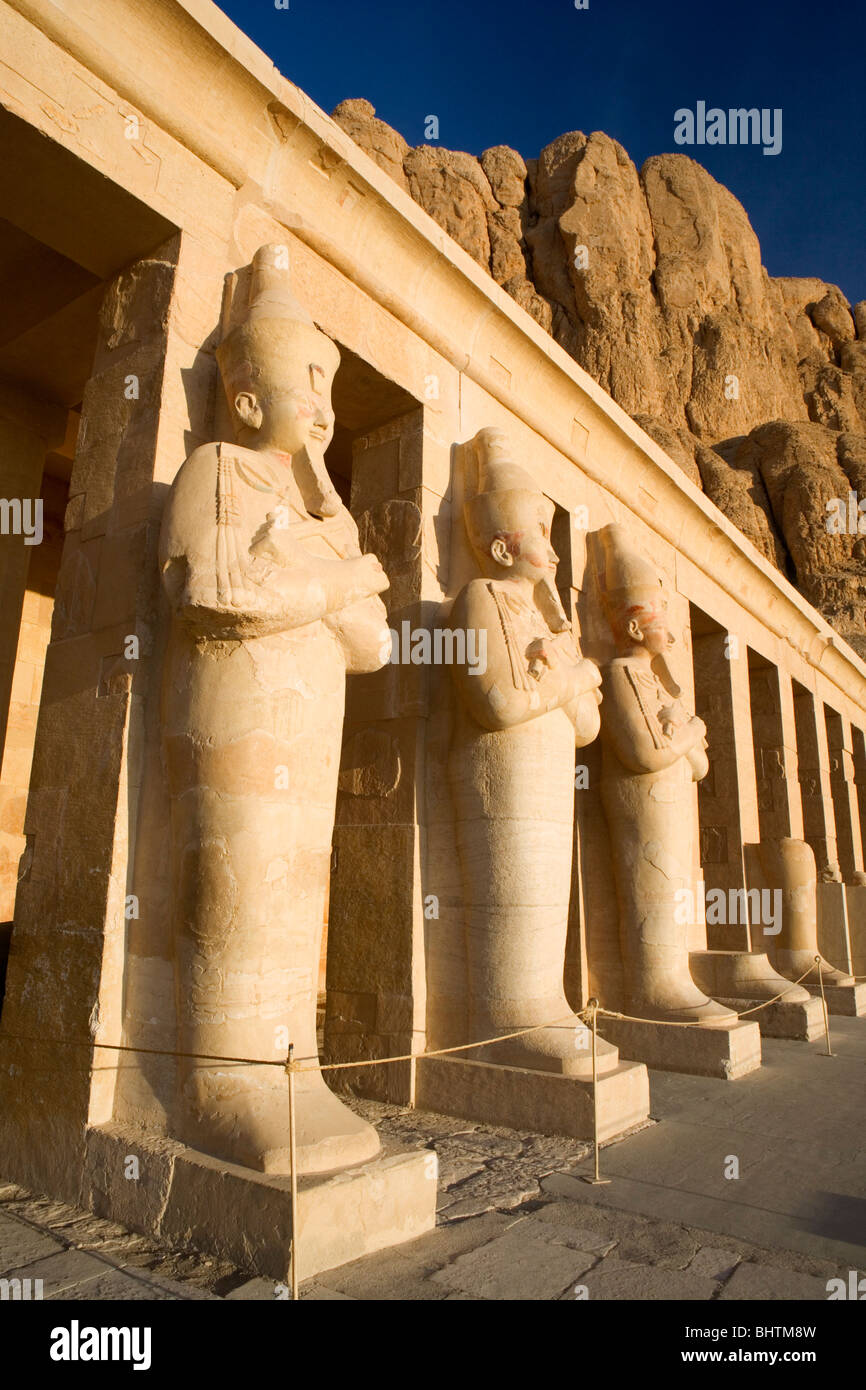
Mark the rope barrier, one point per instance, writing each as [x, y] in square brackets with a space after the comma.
[585, 1015]
[699, 1023]
[297, 1067]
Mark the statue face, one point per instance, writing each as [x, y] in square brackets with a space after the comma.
[527, 553]
[648, 625]
[293, 415]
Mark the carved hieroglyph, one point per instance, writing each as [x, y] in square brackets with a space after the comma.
[789, 866]
[272, 603]
[519, 716]
[653, 750]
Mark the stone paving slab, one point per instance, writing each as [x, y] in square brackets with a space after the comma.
[622, 1279]
[20, 1244]
[753, 1281]
[517, 1265]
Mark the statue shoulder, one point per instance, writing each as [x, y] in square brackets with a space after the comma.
[191, 501]
[628, 682]
[475, 597]
[203, 460]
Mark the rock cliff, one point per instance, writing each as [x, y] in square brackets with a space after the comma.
[652, 280]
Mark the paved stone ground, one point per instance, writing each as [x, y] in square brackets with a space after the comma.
[517, 1222]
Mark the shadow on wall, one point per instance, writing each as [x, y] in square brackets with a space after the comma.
[5, 940]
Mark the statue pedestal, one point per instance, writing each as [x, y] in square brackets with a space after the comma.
[848, 1000]
[545, 1102]
[728, 1052]
[741, 979]
[186, 1198]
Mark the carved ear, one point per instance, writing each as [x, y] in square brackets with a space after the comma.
[634, 630]
[248, 410]
[500, 552]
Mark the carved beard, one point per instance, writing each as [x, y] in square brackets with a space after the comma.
[320, 496]
[550, 606]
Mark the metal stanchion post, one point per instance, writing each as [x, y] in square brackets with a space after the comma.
[596, 1179]
[829, 1052]
[293, 1174]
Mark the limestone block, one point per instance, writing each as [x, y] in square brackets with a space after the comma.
[727, 1052]
[539, 1101]
[185, 1198]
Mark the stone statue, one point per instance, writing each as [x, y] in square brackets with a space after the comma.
[789, 867]
[511, 769]
[272, 603]
[653, 749]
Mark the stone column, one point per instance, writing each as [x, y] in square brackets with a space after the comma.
[780, 812]
[819, 829]
[727, 798]
[65, 979]
[858, 745]
[844, 793]
[855, 894]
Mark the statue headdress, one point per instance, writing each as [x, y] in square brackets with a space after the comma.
[276, 328]
[497, 505]
[629, 583]
[499, 490]
[273, 327]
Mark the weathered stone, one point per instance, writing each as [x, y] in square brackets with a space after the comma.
[380, 141]
[506, 174]
[713, 1262]
[453, 188]
[516, 1266]
[832, 315]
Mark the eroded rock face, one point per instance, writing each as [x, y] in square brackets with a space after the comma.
[652, 280]
[358, 118]
[454, 189]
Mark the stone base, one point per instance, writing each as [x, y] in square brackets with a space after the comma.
[186, 1198]
[741, 979]
[518, 1098]
[803, 1021]
[848, 1000]
[727, 1053]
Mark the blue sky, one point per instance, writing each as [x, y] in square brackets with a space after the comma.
[520, 74]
